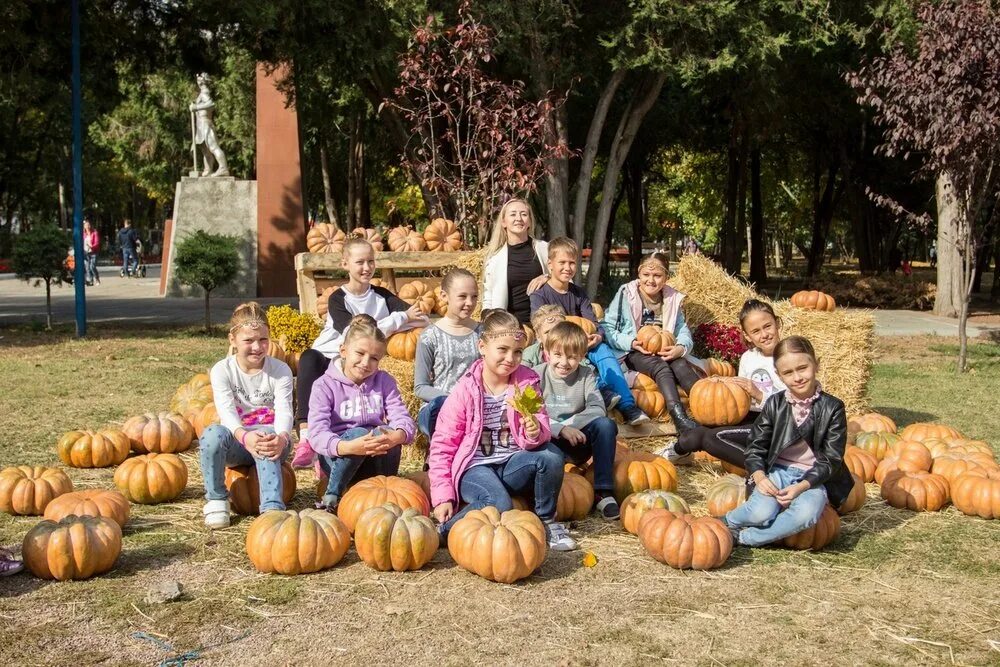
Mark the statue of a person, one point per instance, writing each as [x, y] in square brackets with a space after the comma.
[202, 111]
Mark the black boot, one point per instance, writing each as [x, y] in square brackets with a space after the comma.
[679, 416]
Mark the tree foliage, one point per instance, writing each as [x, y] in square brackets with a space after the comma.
[209, 261]
[38, 255]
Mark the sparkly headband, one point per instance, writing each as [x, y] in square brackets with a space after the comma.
[518, 334]
[255, 323]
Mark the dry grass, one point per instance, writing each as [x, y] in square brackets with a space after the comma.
[895, 588]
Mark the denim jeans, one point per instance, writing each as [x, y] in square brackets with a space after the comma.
[539, 471]
[764, 521]
[90, 267]
[609, 370]
[344, 470]
[428, 416]
[601, 435]
[218, 448]
[128, 259]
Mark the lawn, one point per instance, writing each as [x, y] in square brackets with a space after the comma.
[896, 588]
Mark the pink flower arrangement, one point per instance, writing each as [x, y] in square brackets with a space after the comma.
[720, 341]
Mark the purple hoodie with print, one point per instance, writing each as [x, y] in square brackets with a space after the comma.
[338, 404]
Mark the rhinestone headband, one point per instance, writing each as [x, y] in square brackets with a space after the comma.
[518, 334]
[255, 323]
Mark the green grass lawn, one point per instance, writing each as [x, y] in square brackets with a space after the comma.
[895, 588]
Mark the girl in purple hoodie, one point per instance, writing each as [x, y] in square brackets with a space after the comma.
[357, 419]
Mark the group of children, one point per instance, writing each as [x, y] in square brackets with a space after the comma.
[353, 422]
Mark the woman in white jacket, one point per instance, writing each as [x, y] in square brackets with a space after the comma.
[515, 261]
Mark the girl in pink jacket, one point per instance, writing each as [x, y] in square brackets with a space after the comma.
[483, 451]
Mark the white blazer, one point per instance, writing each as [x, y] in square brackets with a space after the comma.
[495, 274]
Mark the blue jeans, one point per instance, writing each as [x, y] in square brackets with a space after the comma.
[609, 371]
[218, 448]
[90, 267]
[343, 470]
[764, 521]
[128, 259]
[539, 471]
[601, 435]
[428, 416]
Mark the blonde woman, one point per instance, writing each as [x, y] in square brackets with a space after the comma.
[515, 261]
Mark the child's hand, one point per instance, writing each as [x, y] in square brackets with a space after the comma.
[637, 346]
[269, 446]
[593, 340]
[414, 314]
[573, 436]
[749, 387]
[391, 438]
[366, 445]
[531, 428]
[673, 352]
[786, 495]
[444, 511]
[765, 485]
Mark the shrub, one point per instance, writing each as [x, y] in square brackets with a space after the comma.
[209, 261]
[39, 254]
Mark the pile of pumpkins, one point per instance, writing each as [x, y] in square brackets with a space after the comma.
[440, 235]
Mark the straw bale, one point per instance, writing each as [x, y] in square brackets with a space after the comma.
[844, 339]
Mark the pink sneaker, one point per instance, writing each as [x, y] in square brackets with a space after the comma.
[304, 455]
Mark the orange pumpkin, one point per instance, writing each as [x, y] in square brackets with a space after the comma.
[370, 235]
[826, 530]
[443, 235]
[916, 491]
[717, 401]
[726, 494]
[77, 547]
[193, 395]
[243, 484]
[323, 302]
[871, 422]
[856, 498]
[403, 345]
[420, 293]
[922, 431]
[152, 478]
[965, 446]
[325, 237]
[654, 339]
[598, 310]
[977, 493]
[860, 463]
[878, 444]
[208, 416]
[296, 542]
[913, 456]
[89, 449]
[390, 538]
[440, 302]
[28, 490]
[588, 327]
[638, 471]
[529, 335]
[648, 397]
[733, 469]
[813, 300]
[421, 478]
[720, 368]
[683, 541]
[952, 466]
[406, 239]
[90, 502]
[163, 433]
[378, 490]
[576, 497]
[504, 547]
[637, 504]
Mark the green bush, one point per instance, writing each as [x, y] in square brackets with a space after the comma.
[209, 261]
[38, 255]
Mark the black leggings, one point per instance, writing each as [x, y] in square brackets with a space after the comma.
[666, 374]
[312, 365]
[728, 443]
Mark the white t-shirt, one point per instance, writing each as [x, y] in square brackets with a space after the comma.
[253, 401]
[495, 444]
[761, 371]
[370, 303]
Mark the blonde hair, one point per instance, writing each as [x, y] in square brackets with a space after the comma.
[499, 323]
[564, 244]
[795, 345]
[545, 312]
[249, 315]
[498, 237]
[453, 275]
[659, 259]
[355, 241]
[569, 337]
[363, 326]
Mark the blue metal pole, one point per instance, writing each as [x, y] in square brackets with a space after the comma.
[78, 274]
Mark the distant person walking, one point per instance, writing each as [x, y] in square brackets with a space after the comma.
[127, 241]
[91, 244]
[932, 253]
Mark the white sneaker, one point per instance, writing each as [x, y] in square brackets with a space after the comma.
[559, 537]
[670, 454]
[216, 513]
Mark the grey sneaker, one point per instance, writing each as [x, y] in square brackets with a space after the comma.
[634, 415]
[611, 399]
[559, 537]
[671, 454]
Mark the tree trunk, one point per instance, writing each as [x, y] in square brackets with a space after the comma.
[350, 220]
[824, 205]
[364, 195]
[48, 304]
[758, 249]
[329, 200]
[995, 291]
[557, 173]
[729, 238]
[632, 179]
[642, 101]
[63, 213]
[208, 314]
[740, 237]
[949, 297]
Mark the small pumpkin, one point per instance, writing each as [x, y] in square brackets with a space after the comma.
[826, 530]
[90, 502]
[529, 335]
[243, 484]
[406, 239]
[638, 471]
[648, 397]
[813, 300]
[193, 395]
[598, 310]
[403, 345]
[93, 449]
[588, 327]
[952, 466]
[440, 302]
[443, 235]
[152, 478]
[856, 498]
[504, 547]
[637, 504]
[683, 541]
[378, 490]
[208, 416]
[163, 433]
[325, 237]
[871, 422]
[726, 494]
[420, 293]
[370, 235]
[654, 339]
[28, 490]
[878, 444]
[921, 431]
[860, 463]
[916, 491]
[720, 368]
[576, 497]
[390, 538]
[76, 547]
[293, 543]
[323, 302]
[717, 401]
[977, 493]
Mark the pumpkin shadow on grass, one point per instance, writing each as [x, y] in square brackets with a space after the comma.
[902, 416]
[150, 557]
[24, 583]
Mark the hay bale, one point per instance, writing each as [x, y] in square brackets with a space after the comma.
[402, 372]
[844, 340]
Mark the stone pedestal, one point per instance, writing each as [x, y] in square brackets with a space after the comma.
[219, 206]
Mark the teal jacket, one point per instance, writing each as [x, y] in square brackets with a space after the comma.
[621, 319]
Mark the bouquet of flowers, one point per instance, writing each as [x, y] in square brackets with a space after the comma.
[720, 341]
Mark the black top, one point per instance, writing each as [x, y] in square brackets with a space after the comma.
[127, 238]
[522, 268]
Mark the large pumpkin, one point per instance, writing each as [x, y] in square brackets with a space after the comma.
[152, 478]
[826, 530]
[403, 345]
[912, 455]
[648, 397]
[379, 490]
[878, 444]
[390, 538]
[422, 478]
[500, 547]
[726, 494]
[406, 239]
[77, 547]
[90, 449]
[420, 293]
[719, 367]
[856, 498]
[638, 471]
[90, 502]
[193, 395]
[370, 235]
[717, 401]
[28, 490]
[921, 431]
[208, 416]
[243, 484]
[871, 422]
[296, 542]
[654, 339]
[965, 446]
[977, 493]
[813, 300]
[916, 491]
[860, 463]
[952, 466]
[576, 497]
[443, 235]
[325, 237]
[163, 433]
[588, 327]
[683, 541]
[637, 504]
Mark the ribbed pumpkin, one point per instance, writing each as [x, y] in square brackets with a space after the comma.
[638, 471]
[504, 547]
[921, 431]
[717, 401]
[420, 293]
[529, 335]
[720, 368]
[90, 449]
[243, 484]
[296, 542]
[813, 300]
[443, 235]
[76, 547]
[654, 339]
[323, 302]
[193, 395]
[378, 490]
[576, 497]
[860, 463]
[726, 494]
[90, 502]
[422, 479]
[325, 237]
[913, 456]
[370, 235]
[648, 397]
[826, 530]
[916, 491]
[440, 302]
[403, 345]
[871, 422]
[637, 504]
[28, 490]
[390, 538]
[683, 541]
[582, 322]
[977, 493]
[208, 416]
[406, 239]
[952, 466]
[856, 498]
[965, 446]
[877, 444]
[163, 433]
[152, 478]
[598, 310]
